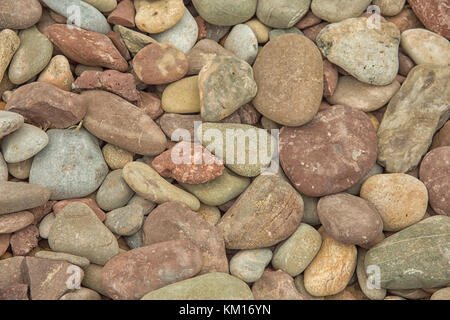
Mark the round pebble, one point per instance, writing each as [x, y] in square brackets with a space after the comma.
[114, 192]
[125, 221]
[281, 13]
[249, 265]
[243, 42]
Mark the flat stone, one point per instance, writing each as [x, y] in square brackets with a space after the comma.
[275, 285]
[338, 10]
[135, 240]
[158, 16]
[116, 157]
[13, 272]
[134, 40]
[19, 196]
[82, 262]
[367, 286]
[59, 205]
[15, 221]
[210, 286]
[17, 291]
[426, 47]
[369, 55]
[71, 166]
[93, 279]
[103, 5]
[150, 104]
[176, 126]
[19, 14]
[123, 14]
[242, 42]
[113, 192]
[433, 14]
[289, 96]
[412, 258]
[9, 122]
[413, 115]
[249, 265]
[281, 14]
[4, 243]
[146, 205]
[125, 221]
[182, 96]
[227, 13]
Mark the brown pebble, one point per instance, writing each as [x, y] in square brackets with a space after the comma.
[309, 20]
[313, 31]
[25, 240]
[442, 137]
[120, 45]
[150, 104]
[18, 291]
[275, 285]
[405, 64]
[405, 20]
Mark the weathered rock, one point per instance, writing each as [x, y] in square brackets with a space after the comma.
[19, 196]
[370, 55]
[433, 14]
[281, 14]
[435, 173]
[442, 137]
[114, 192]
[150, 104]
[9, 122]
[103, 5]
[13, 272]
[4, 243]
[123, 14]
[15, 221]
[133, 274]
[182, 96]
[426, 47]
[405, 20]
[77, 230]
[17, 291]
[82, 262]
[158, 16]
[345, 135]
[266, 213]
[106, 120]
[87, 47]
[203, 52]
[227, 13]
[3, 169]
[9, 43]
[441, 294]
[338, 10]
[287, 95]
[243, 43]
[412, 117]
[275, 285]
[355, 189]
[134, 40]
[116, 157]
[58, 73]
[249, 265]
[389, 7]
[59, 205]
[19, 14]
[45, 225]
[24, 240]
[370, 289]
[93, 279]
[260, 30]
[211, 286]
[413, 258]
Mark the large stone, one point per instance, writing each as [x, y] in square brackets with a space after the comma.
[204, 51]
[15, 221]
[413, 115]
[125, 221]
[368, 54]
[182, 96]
[366, 284]
[9, 43]
[266, 213]
[158, 16]
[19, 14]
[78, 231]
[281, 14]
[19, 196]
[338, 10]
[286, 94]
[433, 14]
[416, 257]
[227, 13]
[275, 285]
[58, 73]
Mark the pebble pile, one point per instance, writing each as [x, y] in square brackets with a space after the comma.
[211, 149]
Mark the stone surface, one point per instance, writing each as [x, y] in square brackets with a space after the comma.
[345, 135]
[182, 96]
[147, 183]
[113, 192]
[134, 40]
[77, 230]
[133, 274]
[405, 20]
[59, 205]
[400, 199]
[242, 42]
[370, 55]
[150, 104]
[211, 286]
[227, 13]
[61, 256]
[441, 294]
[267, 212]
[125, 221]
[362, 96]
[204, 51]
[19, 14]
[158, 16]
[103, 5]
[173, 220]
[9, 122]
[19, 196]
[81, 294]
[24, 240]
[14, 292]
[58, 73]
[413, 258]
[275, 285]
[426, 47]
[435, 174]
[442, 137]
[87, 47]
[47, 106]
[15, 221]
[389, 7]
[45, 225]
[71, 166]
[338, 10]
[279, 32]
[9, 43]
[286, 95]
[354, 190]
[349, 219]
[123, 14]
[260, 30]
[367, 286]
[3, 169]
[281, 14]
[116, 157]
[171, 122]
[105, 119]
[433, 14]
[412, 117]
[249, 265]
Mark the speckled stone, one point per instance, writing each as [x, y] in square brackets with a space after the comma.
[70, 258]
[433, 14]
[9, 43]
[114, 192]
[3, 169]
[19, 196]
[58, 73]
[134, 40]
[9, 122]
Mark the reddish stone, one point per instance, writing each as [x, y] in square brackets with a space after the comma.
[18, 291]
[169, 122]
[4, 242]
[275, 285]
[442, 138]
[249, 114]
[324, 105]
[188, 162]
[201, 28]
[43, 104]
[12, 271]
[405, 64]
[313, 31]
[405, 20]
[15, 221]
[434, 14]
[123, 14]
[309, 20]
[330, 78]
[87, 47]
[331, 153]
[41, 211]
[58, 206]
[150, 104]
[160, 64]
[122, 84]
[120, 45]
[25, 240]
[400, 78]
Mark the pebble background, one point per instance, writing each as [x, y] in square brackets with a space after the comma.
[89, 121]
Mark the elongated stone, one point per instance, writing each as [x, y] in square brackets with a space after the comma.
[19, 196]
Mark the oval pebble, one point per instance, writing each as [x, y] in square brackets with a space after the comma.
[227, 13]
[249, 265]
[125, 221]
[19, 14]
[338, 10]
[158, 16]
[242, 42]
[114, 192]
[281, 13]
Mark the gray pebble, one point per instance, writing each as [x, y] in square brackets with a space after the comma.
[114, 192]
[24, 143]
[242, 42]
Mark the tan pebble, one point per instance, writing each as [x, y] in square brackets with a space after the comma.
[182, 96]
[58, 73]
[259, 29]
[209, 213]
[158, 16]
[116, 157]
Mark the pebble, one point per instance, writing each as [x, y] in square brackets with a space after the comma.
[281, 87]
[203, 52]
[442, 137]
[158, 16]
[349, 219]
[9, 43]
[150, 104]
[123, 14]
[256, 222]
[220, 190]
[59, 205]
[103, 5]
[435, 173]
[19, 14]
[24, 240]
[355, 189]
[278, 32]
[61, 256]
[275, 285]
[87, 47]
[183, 35]
[412, 258]
[345, 135]
[15, 292]
[137, 272]
[365, 283]
[296, 253]
[81, 294]
[441, 294]
[249, 265]
[90, 18]
[77, 230]
[426, 47]
[225, 84]
[405, 64]
[120, 123]
[125, 221]
[242, 42]
[133, 40]
[146, 205]
[405, 119]
[19, 196]
[3, 169]
[9, 122]
[209, 213]
[71, 166]
[370, 55]
[405, 20]
[227, 13]
[362, 96]
[174, 220]
[331, 269]
[282, 14]
[4, 243]
[176, 125]
[211, 286]
[389, 7]
[23, 143]
[400, 199]
[260, 30]
[58, 73]
[182, 96]
[147, 183]
[115, 157]
[338, 10]
[33, 55]
[46, 224]
[433, 14]
[12, 222]
[114, 192]
[310, 210]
